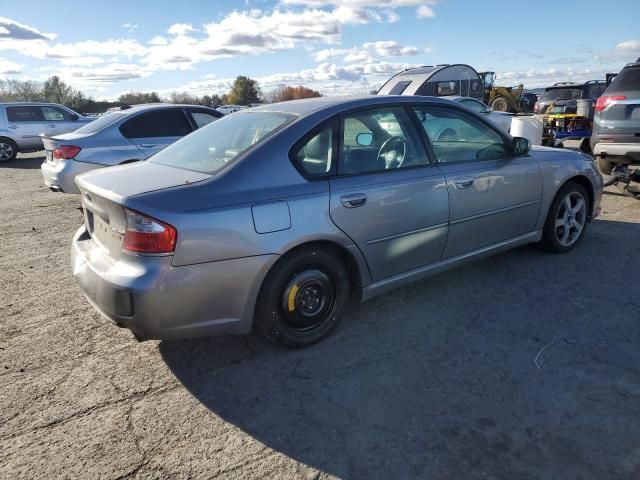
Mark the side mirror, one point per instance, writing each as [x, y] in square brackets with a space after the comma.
[521, 146]
[74, 117]
[364, 139]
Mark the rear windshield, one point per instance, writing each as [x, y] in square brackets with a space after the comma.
[562, 94]
[210, 148]
[101, 122]
[628, 79]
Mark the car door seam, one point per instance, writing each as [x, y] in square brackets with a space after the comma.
[494, 212]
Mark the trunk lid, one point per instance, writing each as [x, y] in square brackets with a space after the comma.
[103, 192]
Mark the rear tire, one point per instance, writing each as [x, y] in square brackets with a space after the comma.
[605, 166]
[567, 219]
[8, 150]
[303, 297]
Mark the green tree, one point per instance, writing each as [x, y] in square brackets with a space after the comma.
[244, 91]
[56, 90]
[134, 98]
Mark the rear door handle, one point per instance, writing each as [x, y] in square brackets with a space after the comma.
[353, 200]
[51, 126]
[463, 182]
[12, 127]
[147, 145]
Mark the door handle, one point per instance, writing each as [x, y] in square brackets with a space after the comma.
[463, 182]
[12, 127]
[147, 145]
[353, 200]
[51, 126]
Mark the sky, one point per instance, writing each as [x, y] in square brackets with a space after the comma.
[336, 47]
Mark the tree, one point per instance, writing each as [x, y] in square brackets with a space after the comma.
[244, 91]
[134, 98]
[285, 93]
[57, 91]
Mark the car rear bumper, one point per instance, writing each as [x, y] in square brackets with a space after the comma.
[156, 300]
[629, 150]
[60, 175]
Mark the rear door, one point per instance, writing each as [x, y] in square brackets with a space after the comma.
[153, 130]
[27, 124]
[58, 120]
[387, 196]
[493, 195]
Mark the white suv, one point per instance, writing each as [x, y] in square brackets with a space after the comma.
[22, 126]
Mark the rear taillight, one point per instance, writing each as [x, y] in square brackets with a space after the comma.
[604, 101]
[145, 234]
[66, 152]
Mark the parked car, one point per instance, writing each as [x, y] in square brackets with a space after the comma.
[273, 215]
[502, 119]
[570, 92]
[126, 135]
[22, 126]
[227, 109]
[616, 126]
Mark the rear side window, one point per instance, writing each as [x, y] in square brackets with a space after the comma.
[400, 87]
[314, 154]
[24, 114]
[101, 122]
[627, 79]
[168, 122]
[562, 94]
[594, 90]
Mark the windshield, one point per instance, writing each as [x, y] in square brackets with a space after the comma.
[562, 94]
[212, 147]
[100, 122]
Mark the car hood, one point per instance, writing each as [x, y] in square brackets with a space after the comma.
[122, 181]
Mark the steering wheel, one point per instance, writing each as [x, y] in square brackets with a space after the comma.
[447, 135]
[389, 154]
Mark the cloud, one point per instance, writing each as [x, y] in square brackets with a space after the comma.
[535, 78]
[629, 46]
[180, 29]
[367, 51]
[130, 27]
[18, 31]
[425, 11]
[390, 48]
[8, 67]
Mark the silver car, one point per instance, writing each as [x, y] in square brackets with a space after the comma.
[502, 119]
[123, 136]
[22, 126]
[272, 216]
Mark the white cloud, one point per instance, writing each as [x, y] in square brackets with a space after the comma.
[130, 27]
[367, 51]
[8, 67]
[425, 11]
[180, 29]
[629, 46]
[158, 40]
[13, 30]
[390, 48]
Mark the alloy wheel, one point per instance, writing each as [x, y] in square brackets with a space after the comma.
[6, 151]
[571, 218]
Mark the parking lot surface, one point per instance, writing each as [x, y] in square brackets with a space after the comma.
[522, 366]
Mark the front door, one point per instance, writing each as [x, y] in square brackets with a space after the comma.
[387, 197]
[27, 124]
[493, 195]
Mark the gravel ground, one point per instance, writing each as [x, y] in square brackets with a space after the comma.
[437, 380]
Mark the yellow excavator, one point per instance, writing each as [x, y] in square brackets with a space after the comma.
[502, 99]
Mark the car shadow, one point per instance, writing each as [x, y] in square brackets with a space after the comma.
[22, 162]
[511, 367]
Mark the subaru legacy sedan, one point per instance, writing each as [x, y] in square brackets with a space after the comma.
[273, 216]
[128, 134]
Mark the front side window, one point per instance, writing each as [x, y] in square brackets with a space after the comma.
[214, 146]
[474, 105]
[459, 137]
[379, 140]
[202, 118]
[166, 122]
[54, 114]
[24, 114]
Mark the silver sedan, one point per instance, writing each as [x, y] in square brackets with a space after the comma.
[272, 217]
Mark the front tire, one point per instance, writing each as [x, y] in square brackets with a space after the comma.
[8, 150]
[303, 297]
[567, 219]
[500, 104]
